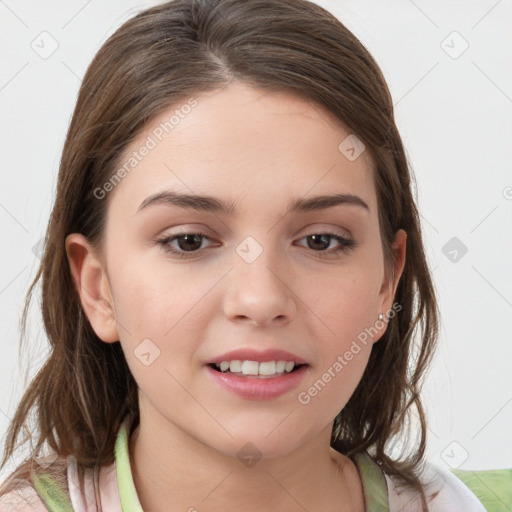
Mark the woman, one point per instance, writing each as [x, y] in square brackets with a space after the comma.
[233, 279]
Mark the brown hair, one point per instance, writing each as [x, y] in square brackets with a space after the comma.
[159, 58]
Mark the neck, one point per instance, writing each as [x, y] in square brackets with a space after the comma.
[172, 471]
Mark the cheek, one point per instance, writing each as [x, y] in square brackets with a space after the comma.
[155, 315]
[345, 303]
[143, 305]
[344, 310]
[146, 295]
[345, 315]
[165, 305]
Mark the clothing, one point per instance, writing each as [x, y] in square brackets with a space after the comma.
[117, 491]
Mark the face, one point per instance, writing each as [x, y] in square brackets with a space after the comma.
[189, 284]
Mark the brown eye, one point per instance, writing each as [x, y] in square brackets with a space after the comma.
[320, 242]
[190, 242]
[182, 243]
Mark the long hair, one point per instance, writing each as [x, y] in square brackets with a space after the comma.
[157, 59]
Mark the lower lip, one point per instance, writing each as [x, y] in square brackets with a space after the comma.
[255, 388]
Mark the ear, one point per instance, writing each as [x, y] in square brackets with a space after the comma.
[390, 283]
[92, 285]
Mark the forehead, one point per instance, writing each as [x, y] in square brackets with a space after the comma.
[243, 144]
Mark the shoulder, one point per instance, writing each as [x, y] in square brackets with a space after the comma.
[24, 499]
[60, 486]
[444, 491]
[30, 486]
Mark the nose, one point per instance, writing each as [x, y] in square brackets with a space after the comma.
[259, 293]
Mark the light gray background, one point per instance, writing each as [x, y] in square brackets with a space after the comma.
[454, 113]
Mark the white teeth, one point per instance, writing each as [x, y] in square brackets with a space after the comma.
[280, 366]
[255, 368]
[250, 367]
[235, 366]
[267, 368]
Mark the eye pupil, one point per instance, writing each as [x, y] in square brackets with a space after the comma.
[190, 240]
[324, 241]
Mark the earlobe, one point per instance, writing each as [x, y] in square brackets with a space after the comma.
[91, 282]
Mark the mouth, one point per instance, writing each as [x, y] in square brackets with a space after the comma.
[256, 369]
[257, 380]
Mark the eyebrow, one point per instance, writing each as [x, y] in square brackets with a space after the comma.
[211, 204]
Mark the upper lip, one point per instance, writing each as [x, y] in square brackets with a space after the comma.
[250, 354]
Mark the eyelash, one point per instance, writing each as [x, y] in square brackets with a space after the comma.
[347, 245]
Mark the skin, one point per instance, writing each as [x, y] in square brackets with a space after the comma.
[260, 149]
